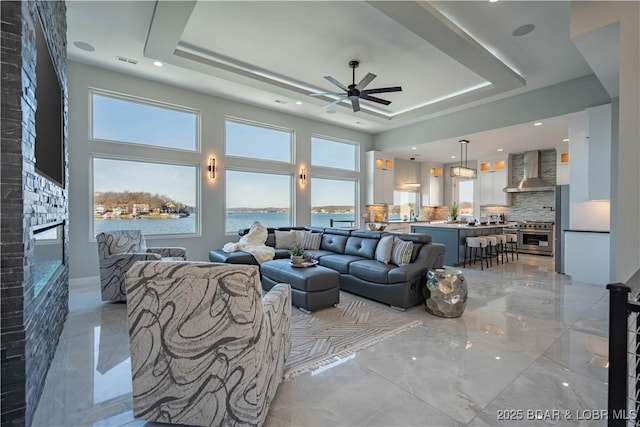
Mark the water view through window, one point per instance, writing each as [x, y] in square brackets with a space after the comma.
[333, 201]
[156, 198]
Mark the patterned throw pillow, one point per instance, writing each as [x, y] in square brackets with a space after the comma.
[384, 249]
[401, 254]
[311, 240]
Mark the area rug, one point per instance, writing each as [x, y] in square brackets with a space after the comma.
[327, 335]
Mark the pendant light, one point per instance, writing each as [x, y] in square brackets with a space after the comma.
[464, 171]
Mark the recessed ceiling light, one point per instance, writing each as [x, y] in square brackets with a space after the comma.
[331, 111]
[453, 157]
[414, 148]
[492, 1]
[565, 384]
[497, 357]
[298, 102]
[84, 46]
[523, 30]
[538, 124]
[158, 64]
[565, 140]
[500, 149]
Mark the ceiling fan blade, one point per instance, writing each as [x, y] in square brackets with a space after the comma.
[355, 103]
[326, 94]
[374, 99]
[331, 104]
[383, 90]
[365, 81]
[337, 83]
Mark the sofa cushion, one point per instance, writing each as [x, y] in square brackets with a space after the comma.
[384, 249]
[317, 254]
[360, 246]
[333, 242]
[238, 257]
[406, 273]
[282, 253]
[371, 270]
[311, 240]
[401, 252]
[339, 263]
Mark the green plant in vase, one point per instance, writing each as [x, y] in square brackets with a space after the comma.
[297, 254]
[453, 212]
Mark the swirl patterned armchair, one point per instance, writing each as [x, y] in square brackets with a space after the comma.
[118, 250]
[207, 349]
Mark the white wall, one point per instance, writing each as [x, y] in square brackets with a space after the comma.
[625, 188]
[83, 257]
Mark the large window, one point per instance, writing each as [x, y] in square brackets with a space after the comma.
[333, 202]
[465, 198]
[334, 154]
[257, 196]
[258, 142]
[405, 205]
[137, 122]
[156, 198]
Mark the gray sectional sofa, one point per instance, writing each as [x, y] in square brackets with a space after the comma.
[352, 253]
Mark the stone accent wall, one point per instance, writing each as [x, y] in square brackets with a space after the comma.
[31, 325]
[531, 205]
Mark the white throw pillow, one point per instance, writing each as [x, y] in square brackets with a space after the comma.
[286, 239]
[384, 249]
[401, 254]
[311, 240]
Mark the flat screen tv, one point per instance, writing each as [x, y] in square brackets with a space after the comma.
[49, 143]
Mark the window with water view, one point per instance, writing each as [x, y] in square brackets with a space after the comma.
[333, 202]
[157, 198]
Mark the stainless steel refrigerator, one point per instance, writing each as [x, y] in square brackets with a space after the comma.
[561, 224]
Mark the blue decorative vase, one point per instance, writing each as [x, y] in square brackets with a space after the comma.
[445, 294]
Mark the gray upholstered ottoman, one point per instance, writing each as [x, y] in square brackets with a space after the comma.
[312, 288]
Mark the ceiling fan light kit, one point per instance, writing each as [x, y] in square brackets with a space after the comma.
[356, 92]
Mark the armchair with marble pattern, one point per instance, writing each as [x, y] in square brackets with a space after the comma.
[207, 349]
[118, 250]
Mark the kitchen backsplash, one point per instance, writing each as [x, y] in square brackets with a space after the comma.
[536, 205]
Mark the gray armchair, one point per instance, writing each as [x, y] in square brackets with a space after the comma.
[207, 349]
[117, 251]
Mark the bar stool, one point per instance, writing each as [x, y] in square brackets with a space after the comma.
[512, 245]
[475, 243]
[502, 244]
[492, 248]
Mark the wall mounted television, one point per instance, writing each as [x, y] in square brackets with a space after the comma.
[49, 142]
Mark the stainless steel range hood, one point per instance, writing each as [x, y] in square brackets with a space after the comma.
[531, 180]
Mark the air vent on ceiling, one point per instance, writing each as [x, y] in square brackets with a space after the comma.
[127, 60]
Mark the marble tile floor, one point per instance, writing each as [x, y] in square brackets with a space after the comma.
[530, 345]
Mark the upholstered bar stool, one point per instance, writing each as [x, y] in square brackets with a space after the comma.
[512, 245]
[492, 249]
[472, 245]
[502, 244]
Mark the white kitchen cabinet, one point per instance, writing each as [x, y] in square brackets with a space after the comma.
[380, 178]
[432, 189]
[492, 178]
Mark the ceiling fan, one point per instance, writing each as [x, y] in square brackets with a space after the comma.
[355, 92]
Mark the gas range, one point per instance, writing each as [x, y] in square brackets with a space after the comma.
[539, 225]
[534, 237]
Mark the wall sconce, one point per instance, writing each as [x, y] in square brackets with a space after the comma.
[212, 168]
[303, 177]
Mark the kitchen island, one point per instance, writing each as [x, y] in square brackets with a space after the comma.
[453, 237]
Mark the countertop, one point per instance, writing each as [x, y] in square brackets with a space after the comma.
[462, 226]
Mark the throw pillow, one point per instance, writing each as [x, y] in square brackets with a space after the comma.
[401, 253]
[384, 249]
[285, 239]
[311, 240]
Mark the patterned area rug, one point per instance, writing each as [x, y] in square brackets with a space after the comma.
[332, 333]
